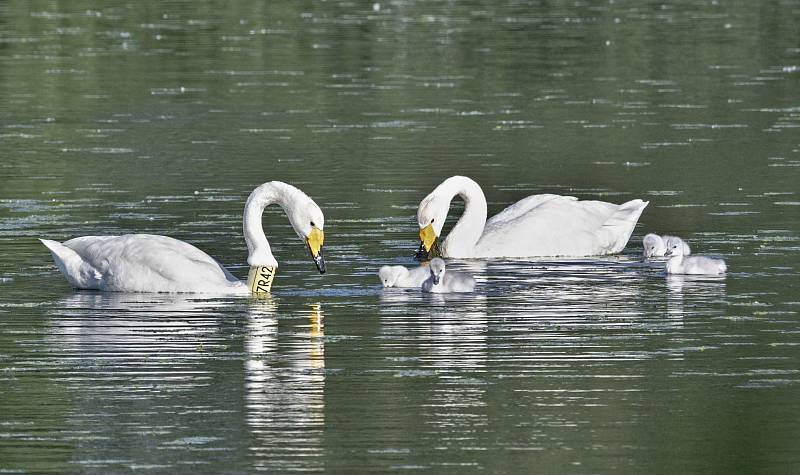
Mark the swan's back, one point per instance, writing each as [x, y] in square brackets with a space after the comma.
[151, 263]
[552, 225]
[520, 208]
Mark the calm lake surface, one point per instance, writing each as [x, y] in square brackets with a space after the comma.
[122, 117]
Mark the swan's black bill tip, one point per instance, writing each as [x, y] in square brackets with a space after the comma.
[422, 253]
[319, 261]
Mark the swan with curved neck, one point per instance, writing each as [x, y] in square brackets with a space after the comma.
[539, 225]
[153, 263]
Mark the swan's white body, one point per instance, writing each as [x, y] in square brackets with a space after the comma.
[539, 225]
[682, 264]
[442, 281]
[141, 263]
[399, 276]
[656, 246]
[152, 263]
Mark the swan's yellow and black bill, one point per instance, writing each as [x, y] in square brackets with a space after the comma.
[314, 242]
[427, 237]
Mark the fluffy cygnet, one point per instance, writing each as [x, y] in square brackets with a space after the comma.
[653, 246]
[440, 281]
[672, 241]
[681, 264]
[399, 276]
[656, 246]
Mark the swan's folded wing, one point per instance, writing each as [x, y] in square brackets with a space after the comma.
[521, 208]
[144, 262]
[557, 226]
[618, 227]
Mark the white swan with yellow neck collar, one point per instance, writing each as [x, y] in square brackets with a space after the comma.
[539, 225]
[153, 263]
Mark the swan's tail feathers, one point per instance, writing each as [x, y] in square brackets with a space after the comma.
[61, 253]
[619, 226]
[78, 272]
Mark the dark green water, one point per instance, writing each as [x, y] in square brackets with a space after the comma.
[124, 117]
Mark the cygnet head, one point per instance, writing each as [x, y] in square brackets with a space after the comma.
[677, 249]
[389, 275]
[653, 246]
[672, 241]
[437, 270]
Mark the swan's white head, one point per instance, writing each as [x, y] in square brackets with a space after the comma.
[431, 215]
[677, 248]
[308, 222]
[437, 269]
[389, 275]
[653, 246]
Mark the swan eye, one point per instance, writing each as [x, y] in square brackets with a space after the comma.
[312, 223]
[433, 219]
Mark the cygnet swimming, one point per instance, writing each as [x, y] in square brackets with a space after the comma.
[682, 264]
[672, 241]
[441, 281]
[399, 276]
[653, 246]
[656, 246]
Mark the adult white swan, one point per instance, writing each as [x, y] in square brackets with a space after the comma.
[539, 225]
[151, 263]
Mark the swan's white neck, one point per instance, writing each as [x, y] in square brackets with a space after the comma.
[274, 192]
[468, 230]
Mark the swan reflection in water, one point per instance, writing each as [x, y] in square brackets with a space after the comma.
[137, 325]
[559, 310]
[448, 333]
[284, 384]
[690, 289]
[143, 371]
[140, 355]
